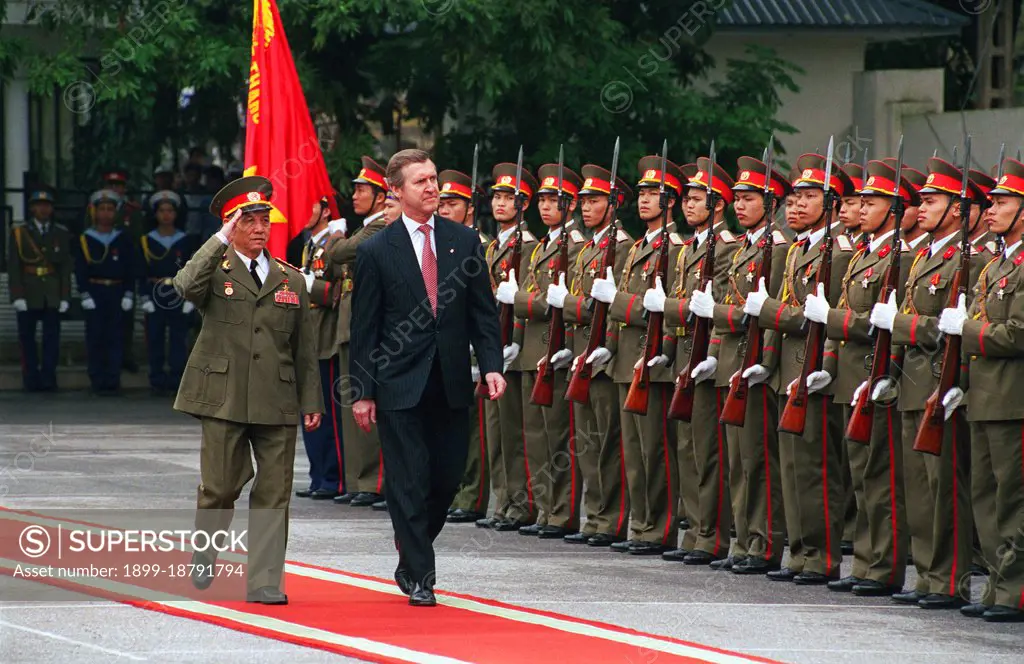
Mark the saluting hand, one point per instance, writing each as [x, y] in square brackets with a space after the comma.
[227, 231]
[311, 421]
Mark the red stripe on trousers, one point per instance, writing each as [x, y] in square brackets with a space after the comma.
[668, 467]
[622, 486]
[721, 471]
[767, 468]
[483, 454]
[824, 483]
[892, 498]
[956, 530]
[529, 479]
[573, 498]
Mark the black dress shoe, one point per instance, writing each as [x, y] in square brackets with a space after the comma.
[553, 532]
[508, 525]
[422, 596]
[605, 539]
[487, 522]
[974, 610]
[344, 498]
[304, 493]
[323, 494]
[533, 529]
[365, 499]
[621, 547]
[726, 564]
[700, 558]
[459, 515]
[784, 574]
[812, 579]
[266, 595]
[1000, 613]
[940, 601]
[684, 523]
[911, 597]
[578, 538]
[845, 584]
[675, 555]
[200, 571]
[846, 547]
[380, 506]
[755, 566]
[647, 549]
[403, 580]
[871, 588]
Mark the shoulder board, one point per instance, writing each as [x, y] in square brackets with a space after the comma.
[779, 237]
[844, 243]
[622, 236]
[728, 237]
[675, 239]
[528, 236]
[992, 247]
[284, 264]
[576, 236]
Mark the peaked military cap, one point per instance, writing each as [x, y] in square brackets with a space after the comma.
[455, 184]
[985, 182]
[248, 194]
[371, 173]
[41, 194]
[881, 181]
[916, 178]
[650, 174]
[1012, 181]
[105, 196]
[548, 174]
[115, 175]
[721, 182]
[945, 178]
[752, 175]
[597, 181]
[856, 174]
[504, 175]
[164, 196]
[812, 175]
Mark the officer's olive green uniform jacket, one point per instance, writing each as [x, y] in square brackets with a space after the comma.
[499, 265]
[39, 268]
[342, 253]
[254, 361]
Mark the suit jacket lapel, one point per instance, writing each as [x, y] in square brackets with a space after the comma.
[409, 267]
[695, 253]
[641, 254]
[238, 270]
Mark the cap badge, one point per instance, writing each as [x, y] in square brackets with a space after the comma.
[650, 174]
[871, 180]
[931, 178]
[447, 186]
[549, 181]
[745, 175]
[807, 173]
[253, 196]
[588, 182]
[1003, 179]
[506, 179]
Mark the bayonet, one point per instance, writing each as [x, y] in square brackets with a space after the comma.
[613, 198]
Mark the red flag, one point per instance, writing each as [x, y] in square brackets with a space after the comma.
[280, 141]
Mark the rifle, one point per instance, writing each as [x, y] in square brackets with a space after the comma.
[481, 387]
[863, 414]
[508, 315]
[734, 411]
[681, 406]
[794, 415]
[929, 434]
[543, 389]
[579, 384]
[639, 392]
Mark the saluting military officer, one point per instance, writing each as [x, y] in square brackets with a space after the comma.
[39, 265]
[550, 445]
[470, 503]
[506, 256]
[596, 424]
[649, 443]
[880, 547]
[753, 448]
[809, 461]
[702, 453]
[251, 378]
[992, 350]
[105, 271]
[363, 460]
[164, 251]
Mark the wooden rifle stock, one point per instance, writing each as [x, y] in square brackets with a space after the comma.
[579, 383]
[543, 393]
[639, 392]
[681, 406]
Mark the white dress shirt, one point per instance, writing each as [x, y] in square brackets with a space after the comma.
[937, 245]
[1009, 251]
[372, 217]
[262, 265]
[504, 234]
[417, 237]
[877, 241]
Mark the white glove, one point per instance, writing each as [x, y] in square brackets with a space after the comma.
[337, 226]
[558, 292]
[654, 298]
[792, 386]
[883, 314]
[755, 374]
[309, 278]
[603, 290]
[657, 361]
[506, 293]
[885, 383]
[599, 357]
[756, 299]
[88, 304]
[817, 381]
[20, 304]
[816, 307]
[475, 373]
[951, 321]
[952, 400]
[64, 306]
[704, 370]
[188, 307]
[509, 353]
[147, 306]
[856, 392]
[702, 303]
[127, 303]
[559, 360]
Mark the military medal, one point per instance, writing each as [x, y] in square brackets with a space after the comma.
[285, 296]
[551, 268]
[867, 276]
[504, 269]
[1002, 285]
[228, 288]
[593, 269]
[643, 272]
[934, 283]
[750, 273]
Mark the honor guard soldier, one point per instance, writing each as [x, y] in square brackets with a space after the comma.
[649, 443]
[596, 424]
[880, 545]
[753, 448]
[995, 359]
[250, 379]
[164, 251]
[470, 503]
[324, 445]
[981, 237]
[554, 479]
[39, 265]
[363, 461]
[130, 218]
[105, 271]
[936, 487]
[913, 234]
[507, 255]
[702, 453]
[809, 442]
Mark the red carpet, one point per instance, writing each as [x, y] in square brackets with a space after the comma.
[362, 616]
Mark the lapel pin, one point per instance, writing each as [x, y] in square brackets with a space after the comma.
[451, 251]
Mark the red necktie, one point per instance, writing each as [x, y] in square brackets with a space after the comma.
[428, 266]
